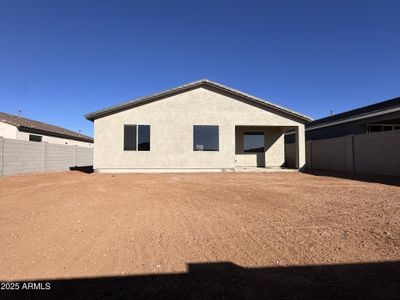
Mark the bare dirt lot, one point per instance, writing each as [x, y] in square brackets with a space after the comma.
[242, 232]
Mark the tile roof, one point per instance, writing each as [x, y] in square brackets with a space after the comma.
[362, 111]
[29, 125]
[204, 82]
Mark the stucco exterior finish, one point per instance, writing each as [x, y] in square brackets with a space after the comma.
[24, 136]
[8, 131]
[274, 148]
[171, 137]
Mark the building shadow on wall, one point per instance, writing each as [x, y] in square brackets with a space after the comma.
[225, 280]
[383, 179]
[85, 169]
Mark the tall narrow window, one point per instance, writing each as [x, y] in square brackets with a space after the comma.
[253, 142]
[137, 137]
[205, 138]
[144, 138]
[129, 137]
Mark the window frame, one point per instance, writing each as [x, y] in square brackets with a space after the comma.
[124, 134]
[194, 139]
[383, 127]
[253, 133]
[35, 136]
[137, 137]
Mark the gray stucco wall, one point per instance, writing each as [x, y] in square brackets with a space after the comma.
[373, 153]
[18, 157]
[52, 139]
[172, 119]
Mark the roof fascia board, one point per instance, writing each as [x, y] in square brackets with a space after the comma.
[48, 133]
[117, 108]
[365, 116]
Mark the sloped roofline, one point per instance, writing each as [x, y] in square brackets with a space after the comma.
[189, 86]
[379, 108]
[33, 126]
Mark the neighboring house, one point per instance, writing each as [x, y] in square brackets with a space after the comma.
[379, 117]
[198, 126]
[365, 140]
[16, 127]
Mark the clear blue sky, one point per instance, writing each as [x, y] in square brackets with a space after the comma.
[62, 59]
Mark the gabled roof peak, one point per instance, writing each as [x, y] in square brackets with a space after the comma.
[142, 100]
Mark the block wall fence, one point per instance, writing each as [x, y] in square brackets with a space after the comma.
[18, 157]
[372, 153]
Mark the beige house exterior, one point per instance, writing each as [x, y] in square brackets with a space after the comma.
[172, 117]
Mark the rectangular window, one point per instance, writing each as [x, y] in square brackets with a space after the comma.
[253, 142]
[136, 137]
[144, 138]
[35, 138]
[387, 128]
[374, 128]
[129, 137]
[205, 138]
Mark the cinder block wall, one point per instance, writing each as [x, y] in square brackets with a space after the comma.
[1, 155]
[22, 157]
[18, 157]
[372, 153]
[59, 157]
[377, 153]
[84, 155]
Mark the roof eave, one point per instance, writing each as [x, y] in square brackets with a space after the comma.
[49, 133]
[354, 118]
[130, 104]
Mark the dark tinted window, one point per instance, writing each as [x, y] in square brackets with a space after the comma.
[205, 138]
[129, 137]
[253, 142]
[387, 128]
[35, 138]
[375, 128]
[144, 138]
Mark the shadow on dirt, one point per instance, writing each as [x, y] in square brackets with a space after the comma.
[225, 280]
[85, 169]
[383, 179]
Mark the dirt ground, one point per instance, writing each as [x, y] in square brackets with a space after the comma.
[74, 225]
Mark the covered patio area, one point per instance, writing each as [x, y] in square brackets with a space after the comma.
[264, 147]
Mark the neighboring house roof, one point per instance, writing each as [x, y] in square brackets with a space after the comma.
[376, 109]
[28, 125]
[143, 100]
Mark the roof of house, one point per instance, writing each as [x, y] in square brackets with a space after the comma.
[28, 125]
[359, 113]
[204, 82]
